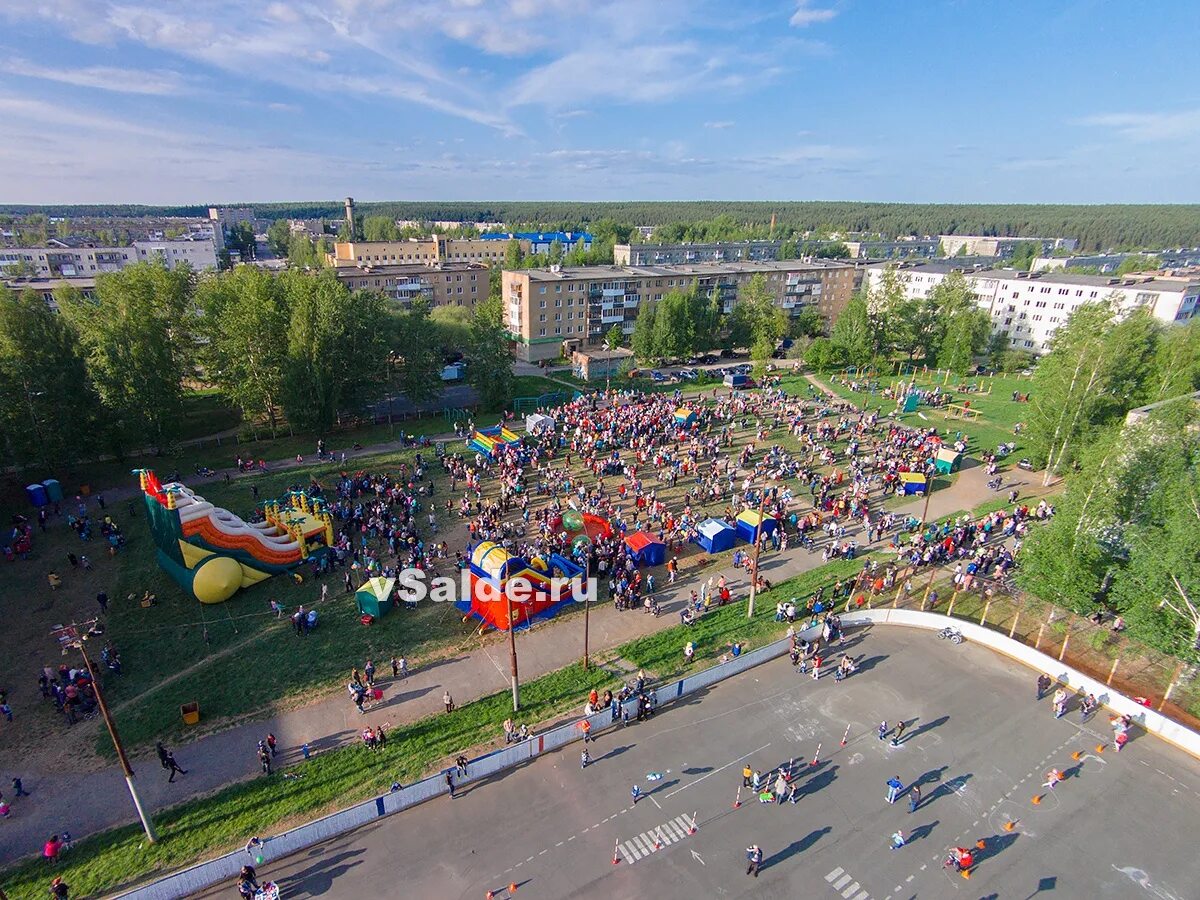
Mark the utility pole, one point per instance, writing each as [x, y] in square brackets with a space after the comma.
[512, 653]
[758, 535]
[587, 603]
[69, 636]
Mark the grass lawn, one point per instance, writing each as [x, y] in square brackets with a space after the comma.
[537, 385]
[206, 412]
[998, 412]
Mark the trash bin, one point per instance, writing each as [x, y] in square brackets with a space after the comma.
[36, 495]
[190, 713]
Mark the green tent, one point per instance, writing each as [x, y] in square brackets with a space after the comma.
[374, 598]
[947, 461]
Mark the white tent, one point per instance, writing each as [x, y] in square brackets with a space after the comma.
[536, 423]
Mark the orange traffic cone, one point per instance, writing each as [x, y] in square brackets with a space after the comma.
[1076, 755]
[965, 873]
[1099, 748]
[980, 844]
[616, 849]
[1010, 825]
[1037, 798]
[512, 888]
[490, 895]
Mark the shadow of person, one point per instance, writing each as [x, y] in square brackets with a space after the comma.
[795, 847]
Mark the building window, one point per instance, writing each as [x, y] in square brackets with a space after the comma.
[542, 289]
[541, 332]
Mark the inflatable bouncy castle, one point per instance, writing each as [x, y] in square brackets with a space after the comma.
[492, 571]
[212, 553]
[490, 441]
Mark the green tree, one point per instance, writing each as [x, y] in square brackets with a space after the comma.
[138, 346]
[279, 237]
[755, 318]
[1177, 366]
[514, 256]
[1097, 369]
[335, 348]
[615, 337]
[644, 341]
[243, 315]
[300, 252]
[821, 355]
[380, 228]
[851, 336]
[453, 327]
[490, 367]
[46, 399]
[556, 252]
[807, 323]
[241, 238]
[1024, 254]
[965, 337]
[673, 326]
[416, 348]
[1138, 263]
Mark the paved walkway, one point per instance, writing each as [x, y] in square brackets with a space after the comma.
[85, 803]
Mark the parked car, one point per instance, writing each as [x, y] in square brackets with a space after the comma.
[743, 369]
[708, 359]
[686, 374]
[657, 375]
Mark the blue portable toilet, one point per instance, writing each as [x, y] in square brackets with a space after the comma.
[36, 494]
[54, 492]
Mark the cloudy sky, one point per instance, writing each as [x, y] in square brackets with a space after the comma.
[210, 101]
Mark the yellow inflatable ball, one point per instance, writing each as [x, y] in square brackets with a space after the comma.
[217, 579]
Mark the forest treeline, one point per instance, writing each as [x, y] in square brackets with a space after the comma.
[1099, 227]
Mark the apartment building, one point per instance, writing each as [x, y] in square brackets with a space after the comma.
[1027, 308]
[1002, 247]
[681, 254]
[45, 287]
[542, 241]
[448, 284]
[1109, 262]
[545, 307]
[75, 261]
[901, 248]
[419, 251]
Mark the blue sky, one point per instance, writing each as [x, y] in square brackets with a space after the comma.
[925, 100]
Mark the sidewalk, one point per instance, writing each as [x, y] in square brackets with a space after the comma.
[86, 803]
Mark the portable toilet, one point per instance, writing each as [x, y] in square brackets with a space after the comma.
[36, 494]
[911, 402]
[374, 598]
[912, 483]
[54, 492]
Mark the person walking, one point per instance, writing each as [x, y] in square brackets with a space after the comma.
[1053, 777]
[894, 786]
[747, 772]
[754, 858]
[636, 793]
[448, 702]
[883, 730]
[898, 840]
[172, 767]
[781, 788]
[898, 733]
[817, 666]
[19, 789]
[264, 759]
[584, 758]
[1043, 685]
[914, 798]
[369, 672]
[395, 668]
[450, 783]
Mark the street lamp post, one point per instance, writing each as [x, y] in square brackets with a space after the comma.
[72, 638]
[758, 535]
[512, 653]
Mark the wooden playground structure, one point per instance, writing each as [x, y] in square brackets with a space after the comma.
[962, 411]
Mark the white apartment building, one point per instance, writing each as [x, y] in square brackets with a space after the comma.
[78, 262]
[1027, 308]
[199, 254]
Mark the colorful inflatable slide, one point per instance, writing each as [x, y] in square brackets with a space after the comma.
[491, 440]
[213, 553]
[493, 568]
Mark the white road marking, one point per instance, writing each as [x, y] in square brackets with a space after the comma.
[850, 891]
[834, 874]
[715, 771]
[626, 853]
[841, 882]
[641, 845]
[861, 895]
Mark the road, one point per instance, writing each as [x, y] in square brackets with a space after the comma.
[1118, 826]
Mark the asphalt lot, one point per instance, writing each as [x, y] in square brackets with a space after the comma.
[1118, 826]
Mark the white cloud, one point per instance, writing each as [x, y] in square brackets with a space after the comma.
[721, 124]
[1148, 126]
[806, 14]
[106, 78]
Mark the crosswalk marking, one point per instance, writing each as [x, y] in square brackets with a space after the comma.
[842, 882]
[834, 874]
[862, 895]
[629, 856]
[673, 830]
[645, 848]
[850, 891]
[658, 837]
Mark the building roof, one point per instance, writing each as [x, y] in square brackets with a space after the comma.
[48, 283]
[602, 354]
[1149, 280]
[539, 237]
[569, 273]
[369, 269]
